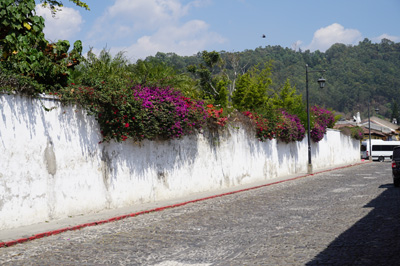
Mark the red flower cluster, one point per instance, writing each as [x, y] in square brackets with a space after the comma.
[215, 116]
[265, 130]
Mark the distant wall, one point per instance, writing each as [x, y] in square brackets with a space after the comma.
[52, 165]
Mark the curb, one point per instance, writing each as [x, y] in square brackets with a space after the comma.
[117, 218]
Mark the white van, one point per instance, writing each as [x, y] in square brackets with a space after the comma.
[381, 149]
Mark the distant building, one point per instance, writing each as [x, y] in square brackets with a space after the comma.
[383, 127]
[380, 128]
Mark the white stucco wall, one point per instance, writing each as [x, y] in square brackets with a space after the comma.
[52, 165]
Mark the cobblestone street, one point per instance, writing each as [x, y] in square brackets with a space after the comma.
[349, 216]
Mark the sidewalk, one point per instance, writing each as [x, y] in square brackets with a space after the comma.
[13, 236]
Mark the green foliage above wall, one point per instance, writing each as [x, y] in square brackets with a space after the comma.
[355, 74]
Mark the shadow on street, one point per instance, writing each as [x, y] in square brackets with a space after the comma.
[373, 240]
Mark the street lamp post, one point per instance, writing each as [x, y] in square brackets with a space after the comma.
[369, 131]
[321, 82]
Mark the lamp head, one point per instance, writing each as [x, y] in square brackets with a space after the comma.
[321, 82]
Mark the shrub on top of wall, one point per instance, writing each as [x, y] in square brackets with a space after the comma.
[215, 117]
[355, 132]
[323, 119]
[292, 129]
[266, 128]
[288, 128]
[142, 112]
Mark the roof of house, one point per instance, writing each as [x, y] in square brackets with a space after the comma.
[383, 122]
[378, 126]
[382, 125]
[373, 132]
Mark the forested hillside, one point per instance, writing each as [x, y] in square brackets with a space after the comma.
[355, 74]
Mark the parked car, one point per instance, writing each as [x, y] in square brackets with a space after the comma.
[396, 166]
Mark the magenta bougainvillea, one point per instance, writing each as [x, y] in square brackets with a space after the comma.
[288, 128]
[162, 113]
[292, 128]
[322, 120]
[141, 112]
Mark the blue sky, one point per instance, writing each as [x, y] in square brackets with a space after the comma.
[144, 27]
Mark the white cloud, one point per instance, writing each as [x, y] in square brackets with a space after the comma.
[187, 39]
[145, 27]
[335, 33]
[386, 36]
[136, 16]
[66, 23]
[139, 11]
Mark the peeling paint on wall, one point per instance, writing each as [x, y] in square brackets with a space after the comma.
[50, 158]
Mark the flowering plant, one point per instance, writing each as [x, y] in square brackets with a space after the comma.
[215, 117]
[265, 129]
[161, 113]
[140, 112]
[322, 120]
[291, 128]
[357, 133]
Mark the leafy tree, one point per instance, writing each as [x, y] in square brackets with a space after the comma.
[154, 73]
[103, 71]
[232, 69]
[355, 73]
[288, 99]
[252, 89]
[25, 49]
[207, 74]
[222, 98]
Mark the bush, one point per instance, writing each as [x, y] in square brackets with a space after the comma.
[322, 120]
[11, 82]
[291, 128]
[103, 72]
[266, 129]
[215, 117]
[140, 112]
[355, 132]
[317, 132]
